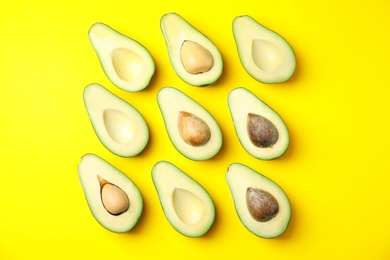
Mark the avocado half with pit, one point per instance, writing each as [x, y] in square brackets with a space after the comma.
[261, 131]
[126, 62]
[262, 206]
[113, 198]
[194, 57]
[192, 129]
[264, 54]
[186, 204]
[119, 126]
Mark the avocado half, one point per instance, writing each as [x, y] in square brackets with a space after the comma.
[126, 62]
[261, 131]
[192, 129]
[264, 54]
[186, 204]
[262, 206]
[119, 126]
[113, 198]
[194, 57]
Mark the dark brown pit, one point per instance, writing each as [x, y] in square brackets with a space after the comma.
[262, 132]
[193, 130]
[262, 205]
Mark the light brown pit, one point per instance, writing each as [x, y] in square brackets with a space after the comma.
[195, 58]
[261, 204]
[262, 132]
[114, 199]
[193, 130]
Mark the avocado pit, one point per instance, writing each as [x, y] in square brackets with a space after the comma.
[195, 58]
[114, 199]
[261, 204]
[192, 129]
[262, 132]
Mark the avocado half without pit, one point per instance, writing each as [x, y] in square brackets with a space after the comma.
[264, 54]
[127, 63]
[113, 198]
[193, 131]
[261, 131]
[186, 204]
[262, 206]
[119, 126]
[194, 57]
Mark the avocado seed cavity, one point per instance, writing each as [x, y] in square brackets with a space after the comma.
[119, 126]
[195, 58]
[188, 207]
[266, 55]
[261, 204]
[127, 64]
[114, 199]
[262, 132]
[192, 129]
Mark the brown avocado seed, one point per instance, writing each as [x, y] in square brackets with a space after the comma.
[192, 129]
[262, 132]
[114, 199]
[261, 204]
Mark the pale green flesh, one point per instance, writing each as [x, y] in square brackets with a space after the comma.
[171, 101]
[240, 177]
[176, 30]
[242, 102]
[127, 63]
[117, 124]
[90, 167]
[264, 54]
[186, 204]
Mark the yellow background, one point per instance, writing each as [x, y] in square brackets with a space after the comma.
[336, 171]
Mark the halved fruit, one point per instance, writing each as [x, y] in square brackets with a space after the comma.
[261, 131]
[265, 55]
[113, 198]
[186, 204]
[191, 128]
[127, 63]
[262, 206]
[194, 57]
[118, 125]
